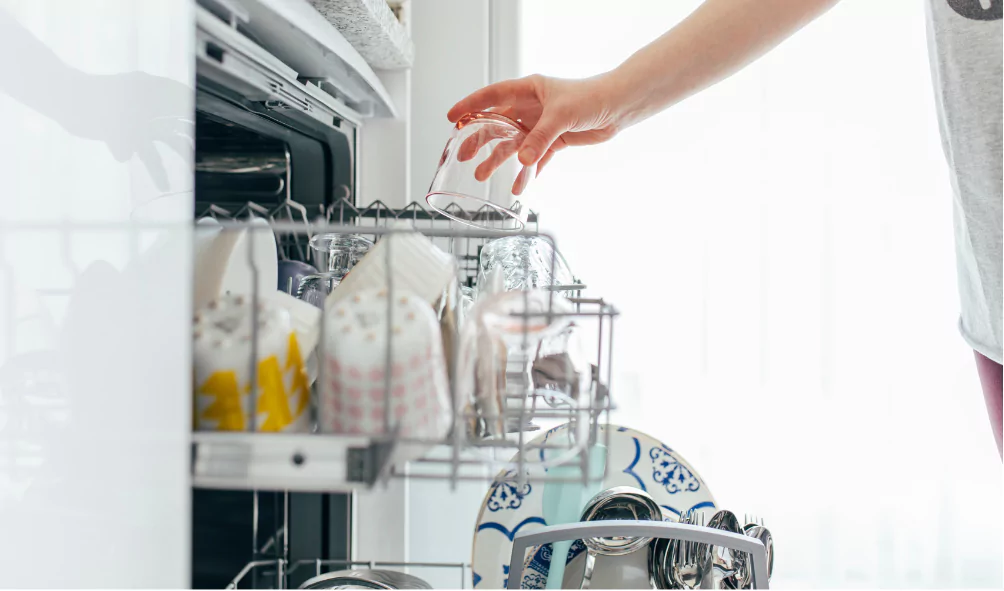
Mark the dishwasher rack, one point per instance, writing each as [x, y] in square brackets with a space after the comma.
[316, 462]
[321, 462]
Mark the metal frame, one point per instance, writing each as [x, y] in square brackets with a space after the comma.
[285, 569]
[225, 460]
[649, 529]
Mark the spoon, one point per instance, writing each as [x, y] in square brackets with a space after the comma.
[726, 566]
[686, 563]
[763, 534]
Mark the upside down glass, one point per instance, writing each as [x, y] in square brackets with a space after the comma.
[526, 262]
[480, 181]
[335, 255]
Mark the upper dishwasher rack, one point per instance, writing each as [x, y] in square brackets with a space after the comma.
[325, 462]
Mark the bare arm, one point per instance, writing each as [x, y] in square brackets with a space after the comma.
[717, 39]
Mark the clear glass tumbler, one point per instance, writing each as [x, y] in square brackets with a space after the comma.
[527, 262]
[335, 255]
[480, 181]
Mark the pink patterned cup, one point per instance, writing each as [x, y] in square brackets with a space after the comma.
[384, 368]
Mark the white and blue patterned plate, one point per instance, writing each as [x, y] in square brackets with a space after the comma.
[633, 459]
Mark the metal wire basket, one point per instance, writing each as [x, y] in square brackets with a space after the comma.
[316, 461]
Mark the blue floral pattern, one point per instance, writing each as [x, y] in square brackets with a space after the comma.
[634, 459]
[507, 494]
[534, 581]
[630, 469]
[670, 473]
[539, 565]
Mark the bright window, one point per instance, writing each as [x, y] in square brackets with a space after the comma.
[781, 249]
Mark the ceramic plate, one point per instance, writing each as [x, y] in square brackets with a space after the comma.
[634, 459]
[222, 264]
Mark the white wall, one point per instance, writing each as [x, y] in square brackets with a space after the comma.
[451, 60]
[384, 163]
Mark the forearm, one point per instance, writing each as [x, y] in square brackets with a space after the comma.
[717, 39]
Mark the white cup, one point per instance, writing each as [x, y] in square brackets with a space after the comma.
[224, 331]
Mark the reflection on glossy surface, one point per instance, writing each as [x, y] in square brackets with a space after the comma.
[763, 534]
[127, 111]
[95, 330]
[621, 502]
[685, 564]
[727, 565]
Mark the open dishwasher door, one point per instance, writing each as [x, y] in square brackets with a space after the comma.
[97, 101]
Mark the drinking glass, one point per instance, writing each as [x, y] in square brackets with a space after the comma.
[522, 320]
[526, 262]
[338, 253]
[480, 182]
[334, 254]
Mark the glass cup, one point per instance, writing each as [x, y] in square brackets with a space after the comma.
[338, 253]
[480, 182]
[519, 321]
[525, 262]
[335, 255]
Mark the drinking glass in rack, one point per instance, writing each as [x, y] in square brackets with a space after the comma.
[334, 255]
[526, 262]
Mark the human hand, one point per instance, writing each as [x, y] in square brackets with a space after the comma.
[559, 113]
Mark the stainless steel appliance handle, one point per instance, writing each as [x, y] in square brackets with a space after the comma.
[649, 529]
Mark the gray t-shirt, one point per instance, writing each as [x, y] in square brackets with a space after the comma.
[964, 37]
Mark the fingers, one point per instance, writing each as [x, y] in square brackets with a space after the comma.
[539, 141]
[522, 180]
[544, 160]
[493, 95]
[502, 152]
[470, 146]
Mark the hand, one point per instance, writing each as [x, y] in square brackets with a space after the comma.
[559, 113]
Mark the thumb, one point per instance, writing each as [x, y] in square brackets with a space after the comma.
[540, 138]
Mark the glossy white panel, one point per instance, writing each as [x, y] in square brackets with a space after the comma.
[96, 108]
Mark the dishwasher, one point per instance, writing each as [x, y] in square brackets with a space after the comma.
[271, 503]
